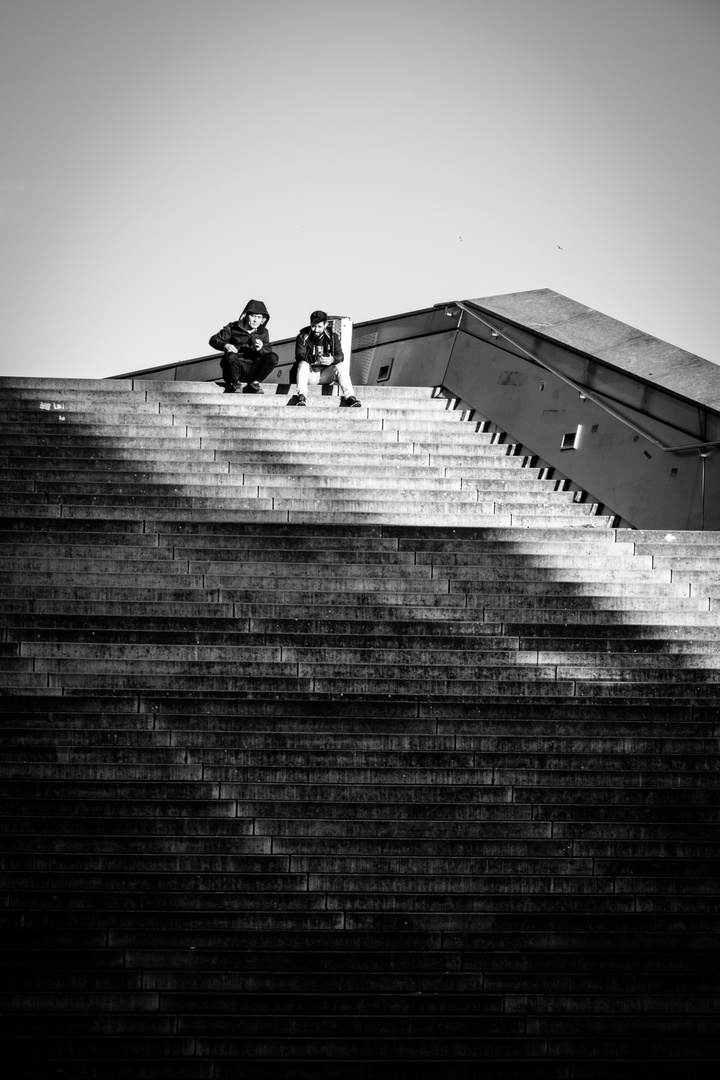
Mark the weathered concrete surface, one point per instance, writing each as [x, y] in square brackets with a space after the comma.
[571, 323]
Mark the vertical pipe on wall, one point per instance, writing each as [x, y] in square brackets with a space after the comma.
[703, 458]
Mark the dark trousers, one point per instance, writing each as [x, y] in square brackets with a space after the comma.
[247, 366]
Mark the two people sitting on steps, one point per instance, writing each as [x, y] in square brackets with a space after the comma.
[247, 356]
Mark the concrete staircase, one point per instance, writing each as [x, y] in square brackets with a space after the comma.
[104, 450]
[342, 738]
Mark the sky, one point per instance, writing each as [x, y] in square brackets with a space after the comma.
[164, 161]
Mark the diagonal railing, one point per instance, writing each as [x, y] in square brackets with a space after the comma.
[584, 391]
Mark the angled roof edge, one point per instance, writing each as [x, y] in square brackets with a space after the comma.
[571, 323]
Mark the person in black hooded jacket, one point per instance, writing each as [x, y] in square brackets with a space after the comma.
[245, 345]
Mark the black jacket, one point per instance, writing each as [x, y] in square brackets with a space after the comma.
[241, 336]
[307, 347]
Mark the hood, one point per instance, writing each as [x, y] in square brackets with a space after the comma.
[256, 307]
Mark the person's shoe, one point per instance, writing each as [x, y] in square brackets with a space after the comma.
[253, 388]
[230, 388]
[299, 399]
[349, 403]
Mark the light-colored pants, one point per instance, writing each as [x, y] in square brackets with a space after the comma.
[324, 374]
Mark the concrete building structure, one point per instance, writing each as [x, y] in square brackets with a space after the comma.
[624, 416]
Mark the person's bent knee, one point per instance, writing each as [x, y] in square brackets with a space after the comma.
[230, 368]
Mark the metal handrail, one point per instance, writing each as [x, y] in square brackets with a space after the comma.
[583, 390]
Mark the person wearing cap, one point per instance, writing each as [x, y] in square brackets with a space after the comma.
[245, 346]
[319, 358]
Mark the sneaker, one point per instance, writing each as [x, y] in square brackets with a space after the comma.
[349, 403]
[230, 388]
[253, 388]
[299, 399]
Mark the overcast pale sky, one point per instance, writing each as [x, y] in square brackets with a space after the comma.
[165, 160]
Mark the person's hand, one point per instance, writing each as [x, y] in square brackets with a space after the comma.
[230, 348]
[257, 343]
